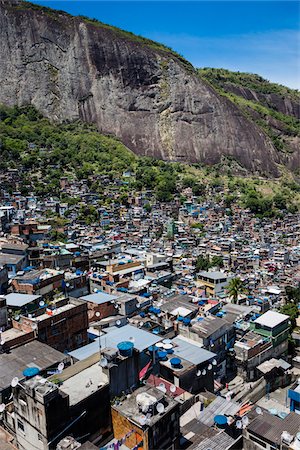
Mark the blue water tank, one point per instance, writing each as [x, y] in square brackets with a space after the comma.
[162, 355]
[175, 362]
[220, 421]
[125, 348]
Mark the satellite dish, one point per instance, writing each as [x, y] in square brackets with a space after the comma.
[2, 342]
[118, 322]
[67, 285]
[209, 367]
[239, 424]
[57, 268]
[14, 382]
[103, 362]
[160, 408]
[97, 314]
[61, 366]
[198, 373]
[162, 387]
[34, 326]
[17, 318]
[142, 420]
[42, 381]
[214, 362]
[95, 290]
[258, 410]
[141, 324]
[172, 388]
[2, 407]
[116, 306]
[245, 420]
[138, 305]
[204, 372]
[41, 303]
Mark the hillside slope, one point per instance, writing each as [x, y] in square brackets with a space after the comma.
[275, 108]
[141, 92]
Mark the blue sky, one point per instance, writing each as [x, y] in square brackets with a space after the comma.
[252, 36]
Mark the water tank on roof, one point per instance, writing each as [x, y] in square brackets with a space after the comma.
[220, 421]
[175, 362]
[125, 348]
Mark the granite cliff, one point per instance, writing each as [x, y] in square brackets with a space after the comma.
[143, 93]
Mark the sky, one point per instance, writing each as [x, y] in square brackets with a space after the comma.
[248, 36]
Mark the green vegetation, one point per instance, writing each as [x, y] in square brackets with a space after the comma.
[278, 126]
[247, 80]
[235, 288]
[205, 263]
[43, 153]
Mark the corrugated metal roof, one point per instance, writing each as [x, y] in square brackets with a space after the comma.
[270, 427]
[221, 441]
[114, 335]
[191, 351]
[220, 406]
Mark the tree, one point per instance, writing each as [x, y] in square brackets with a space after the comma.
[293, 294]
[217, 261]
[202, 263]
[291, 309]
[235, 287]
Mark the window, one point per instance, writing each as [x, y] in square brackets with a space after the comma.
[20, 425]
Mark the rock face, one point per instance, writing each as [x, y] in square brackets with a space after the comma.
[71, 68]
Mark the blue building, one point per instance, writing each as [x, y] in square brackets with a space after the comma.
[294, 396]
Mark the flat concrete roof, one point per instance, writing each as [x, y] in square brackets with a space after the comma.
[19, 300]
[271, 319]
[84, 383]
[99, 298]
[142, 340]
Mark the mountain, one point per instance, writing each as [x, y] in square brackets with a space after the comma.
[143, 93]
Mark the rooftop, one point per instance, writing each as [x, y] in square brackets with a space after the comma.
[84, 383]
[213, 275]
[131, 410]
[113, 336]
[271, 427]
[99, 298]
[7, 258]
[271, 319]
[19, 300]
[32, 354]
[191, 350]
